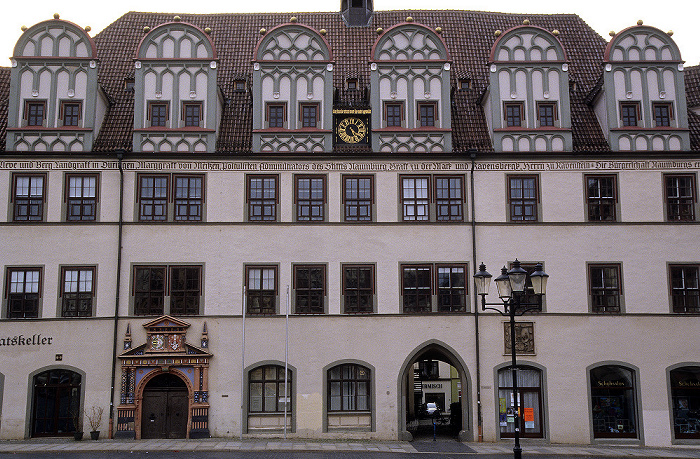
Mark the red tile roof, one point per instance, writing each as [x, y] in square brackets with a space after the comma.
[469, 36]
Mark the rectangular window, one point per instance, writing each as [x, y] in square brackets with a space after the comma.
[685, 291]
[601, 197]
[149, 290]
[351, 83]
[427, 113]
[261, 290]
[81, 197]
[70, 113]
[77, 291]
[192, 114]
[28, 197]
[239, 85]
[451, 288]
[513, 114]
[158, 114]
[358, 289]
[262, 198]
[680, 197]
[393, 114]
[358, 198]
[310, 198]
[546, 113]
[604, 287]
[449, 198]
[663, 113]
[523, 198]
[309, 115]
[35, 112]
[188, 198]
[276, 115]
[23, 292]
[417, 285]
[529, 293]
[185, 289]
[415, 198]
[309, 289]
[630, 113]
[153, 197]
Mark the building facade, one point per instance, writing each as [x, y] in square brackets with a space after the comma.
[256, 224]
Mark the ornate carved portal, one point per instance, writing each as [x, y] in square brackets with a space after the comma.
[165, 351]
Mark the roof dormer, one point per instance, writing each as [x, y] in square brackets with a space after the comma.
[356, 13]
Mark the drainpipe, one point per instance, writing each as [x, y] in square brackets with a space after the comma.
[120, 157]
[479, 418]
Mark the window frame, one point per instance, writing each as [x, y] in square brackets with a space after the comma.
[603, 292]
[358, 203]
[164, 295]
[261, 292]
[142, 217]
[166, 116]
[31, 200]
[523, 202]
[669, 116]
[431, 290]
[310, 293]
[196, 203]
[28, 118]
[687, 201]
[239, 85]
[596, 205]
[24, 313]
[262, 203]
[310, 203]
[185, 117]
[303, 118]
[420, 118]
[79, 295]
[694, 291]
[554, 115]
[269, 106]
[62, 113]
[83, 200]
[264, 382]
[509, 109]
[401, 105]
[349, 399]
[416, 202]
[626, 118]
[369, 293]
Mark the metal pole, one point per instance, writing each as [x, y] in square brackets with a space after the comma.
[517, 451]
[286, 364]
[244, 303]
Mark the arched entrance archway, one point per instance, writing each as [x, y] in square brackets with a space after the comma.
[419, 368]
[164, 407]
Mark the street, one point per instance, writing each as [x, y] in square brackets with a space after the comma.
[272, 455]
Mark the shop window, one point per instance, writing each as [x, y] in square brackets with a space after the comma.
[601, 198]
[685, 397]
[613, 402]
[523, 198]
[358, 289]
[77, 291]
[680, 197]
[261, 290]
[529, 403]
[310, 198]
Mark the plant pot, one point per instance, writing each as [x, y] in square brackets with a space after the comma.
[78, 436]
[95, 434]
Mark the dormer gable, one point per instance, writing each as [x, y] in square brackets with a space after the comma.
[292, 90]
[177, 106]
[528, 106]
[410, 98]
[54, 102]
[642, 104]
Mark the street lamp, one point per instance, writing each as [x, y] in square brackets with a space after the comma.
[511, 291]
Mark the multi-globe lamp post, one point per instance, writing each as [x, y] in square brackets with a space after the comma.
[512, 293]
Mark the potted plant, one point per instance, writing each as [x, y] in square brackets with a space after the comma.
[77, 420]
[95, 418]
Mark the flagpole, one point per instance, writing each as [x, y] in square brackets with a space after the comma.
[286, 363]
[245, 306]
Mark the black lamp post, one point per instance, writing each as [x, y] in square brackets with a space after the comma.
[511, 291]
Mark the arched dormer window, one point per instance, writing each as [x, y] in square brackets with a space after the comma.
[292, 91]
[411, 73]
[642, 105]
[176, 107]
[54, 93]
[528, 108]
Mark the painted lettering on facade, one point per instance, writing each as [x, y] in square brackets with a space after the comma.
[22, 340]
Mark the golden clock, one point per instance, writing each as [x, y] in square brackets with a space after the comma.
[351, 130]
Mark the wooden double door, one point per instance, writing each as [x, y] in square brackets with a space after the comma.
[165, 407]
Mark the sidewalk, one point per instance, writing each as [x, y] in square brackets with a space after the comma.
[218, 444]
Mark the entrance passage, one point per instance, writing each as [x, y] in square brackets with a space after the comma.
[56, 403]
[433, 395]
[165, 407]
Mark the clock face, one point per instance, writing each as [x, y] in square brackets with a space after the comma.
[351, 130]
